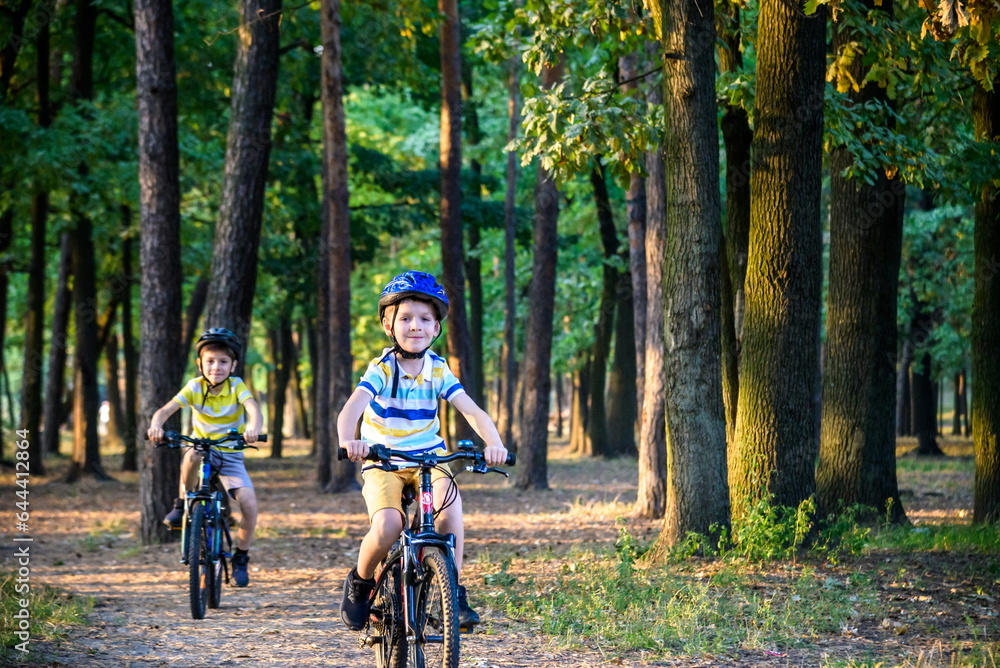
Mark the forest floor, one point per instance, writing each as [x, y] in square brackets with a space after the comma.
[85, 544]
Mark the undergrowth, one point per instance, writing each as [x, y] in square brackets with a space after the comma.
[50, 614]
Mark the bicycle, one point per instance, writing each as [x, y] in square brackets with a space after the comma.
[206, 542]
[414, 615]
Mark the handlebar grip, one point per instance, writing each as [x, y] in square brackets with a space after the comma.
[511, 459]
[262, 438]
[341, 454]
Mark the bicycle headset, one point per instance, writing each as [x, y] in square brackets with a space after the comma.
[411, 285]
[220, 336]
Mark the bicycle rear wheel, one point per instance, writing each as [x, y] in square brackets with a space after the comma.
[437, 633]
[197, 558]
[387, 610]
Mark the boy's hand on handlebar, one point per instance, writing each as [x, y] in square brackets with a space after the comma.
[250, 435]
[155, 433]
[495, 455]
[356, 450]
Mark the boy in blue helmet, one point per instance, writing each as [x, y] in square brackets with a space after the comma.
[398, 400]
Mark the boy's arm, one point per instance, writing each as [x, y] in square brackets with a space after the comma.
[155, 431]
[256, 422]
[495, 453]
[347, 423]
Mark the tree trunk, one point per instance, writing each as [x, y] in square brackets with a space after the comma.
[697, 496]
[903, 388]
[452, 254]
[130, 461]
[776, 443]
[579, 409]
[635, 211]
[280, 338]
[86, 400]
[31, 394]
[336, 327]
[622, 387]
[857, 454]
[560, 402]
[508, 379]
[597, 419]
[960, 405]
[6, 239]
[115, 437]
[532, 469]
[248, 147]
[58, 345]
[302, 429]
[986, 323]
[195, 307]
[473, 264]
[923, 406]
[737, 136]
[652, 488]
[160, 355]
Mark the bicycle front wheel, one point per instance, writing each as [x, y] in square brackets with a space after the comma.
[437, 633]
[216, 558]
[387, 615]
[198, 557]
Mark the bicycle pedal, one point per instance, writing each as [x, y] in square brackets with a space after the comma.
[467, 629]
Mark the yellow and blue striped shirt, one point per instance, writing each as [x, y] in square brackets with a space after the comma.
[212, 415]
[409, 420]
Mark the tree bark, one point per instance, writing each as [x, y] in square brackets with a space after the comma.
[923, 406]
[17, 16]
[130, 460]
[452, 254]
[960, 404]
[622, 387]
[737, 136]
[115, 437]
[473, 264]
[336, 327]
[776, 441]
[635, 212]
[31, 393]
[652, 487]
[160, 355]
[248, 147]
[532, 469]
[697, 496]
[857, 454]
[508, 379]
[58, 345]
[986, 323]
[597, 419]
[280, 339]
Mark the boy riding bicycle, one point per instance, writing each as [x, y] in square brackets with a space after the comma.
[398, 399]
[217, 400]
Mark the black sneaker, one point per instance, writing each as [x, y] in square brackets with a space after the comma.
[175, 517]
[356, 604]
[467, 617]
[241, 578]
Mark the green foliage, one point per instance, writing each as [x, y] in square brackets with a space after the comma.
[51, 612]
[936, 278]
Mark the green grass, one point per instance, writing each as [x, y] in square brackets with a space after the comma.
[975, 539]
[51, 613]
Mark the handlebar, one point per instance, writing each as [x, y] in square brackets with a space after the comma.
[173, 439]
[380, 453]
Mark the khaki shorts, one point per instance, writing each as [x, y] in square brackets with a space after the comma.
[384, 489]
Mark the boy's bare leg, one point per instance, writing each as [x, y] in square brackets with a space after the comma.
[450, 520]
[190, 464]
[386, 526]
[246, 498]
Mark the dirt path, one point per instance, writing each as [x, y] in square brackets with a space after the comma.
[85, 544]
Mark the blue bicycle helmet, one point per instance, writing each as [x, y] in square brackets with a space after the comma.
[415, 284]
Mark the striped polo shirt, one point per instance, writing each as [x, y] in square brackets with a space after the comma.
[212, 415]
[409, 420]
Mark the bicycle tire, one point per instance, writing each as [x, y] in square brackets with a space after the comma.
[436, 641]
[197, 557]
[216, 557]
[387, 620]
